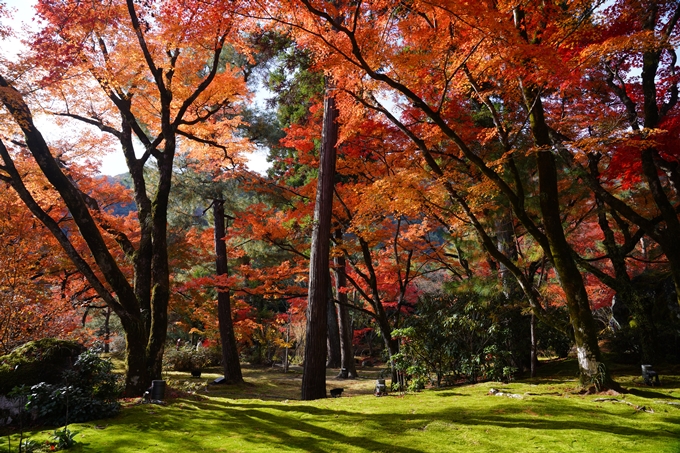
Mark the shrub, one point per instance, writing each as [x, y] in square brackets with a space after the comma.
[189, 359]
[179, 359]
[87, 392]
[96, 374]
[60, 405]
[470, 335]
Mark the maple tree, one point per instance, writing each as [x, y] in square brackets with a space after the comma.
[152, 72]
[30, 306]
[367, 215]
[439, 59]
[629, 74]
[531, 147]
[43, 294]
[196, 192]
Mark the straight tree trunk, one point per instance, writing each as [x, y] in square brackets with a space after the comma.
[107, 329]
[314, 370]
[534, 349]
[333, 360]
[230, 359]
[346, 349]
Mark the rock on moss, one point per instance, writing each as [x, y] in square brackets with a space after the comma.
[37, 361]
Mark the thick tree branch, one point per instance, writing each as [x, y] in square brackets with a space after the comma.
[19, 110]
[55, 229]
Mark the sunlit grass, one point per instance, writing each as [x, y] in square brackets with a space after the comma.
[263, 415]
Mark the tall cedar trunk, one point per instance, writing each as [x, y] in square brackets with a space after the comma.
[344, 323]
[314, 371]
[333, 340]
[230, 359]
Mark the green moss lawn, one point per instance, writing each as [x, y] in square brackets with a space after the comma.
[544, 414]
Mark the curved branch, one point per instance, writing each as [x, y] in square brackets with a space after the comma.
[55, 229]
[92, 122]
[21, 113]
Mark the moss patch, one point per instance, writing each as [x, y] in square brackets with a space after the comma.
[264, 416]
[37, 361]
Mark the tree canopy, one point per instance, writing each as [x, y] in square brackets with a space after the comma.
[521, 158]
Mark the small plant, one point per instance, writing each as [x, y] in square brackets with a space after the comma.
[599, 378]
[29, 446]
[64, 438]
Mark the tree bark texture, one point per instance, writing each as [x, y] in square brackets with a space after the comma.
[344, 321]
[230, 359]
[143, 319]
[333, 359]
[571, 280]
[314, 371]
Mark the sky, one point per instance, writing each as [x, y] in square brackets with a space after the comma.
[112, 163]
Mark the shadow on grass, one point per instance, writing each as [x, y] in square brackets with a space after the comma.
[538, 415]
[297, 426]
[289, 427]
[224, 420]
[648, 393]
[316, 438]
[448, 393]
[196, 424]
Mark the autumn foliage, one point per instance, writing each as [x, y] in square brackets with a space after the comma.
[484, 147]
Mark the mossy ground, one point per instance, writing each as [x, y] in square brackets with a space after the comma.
[264, 415]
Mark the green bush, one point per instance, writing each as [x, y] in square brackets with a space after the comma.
[59, 405]
[190, 359]
[89, 391]
[95, 374]
[468, 335]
